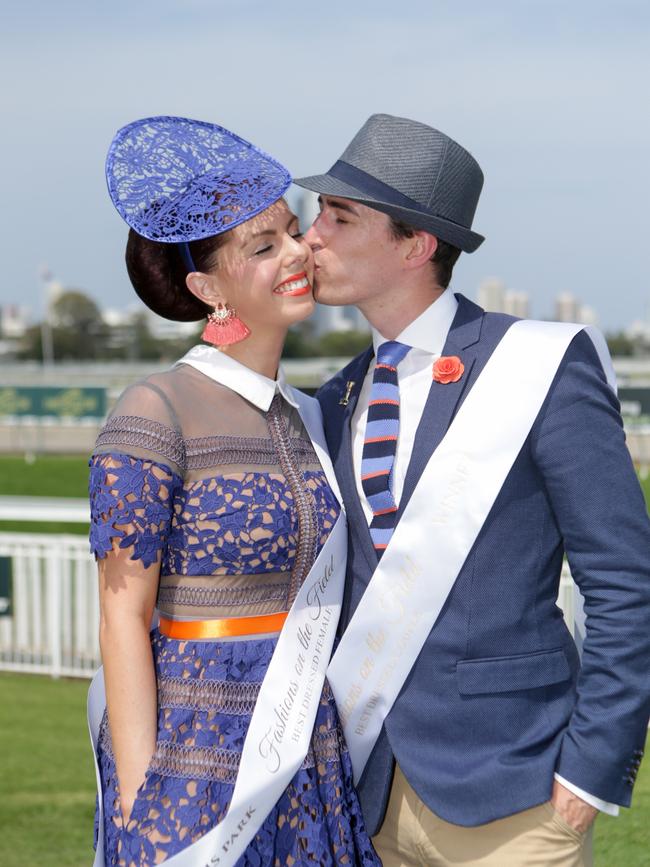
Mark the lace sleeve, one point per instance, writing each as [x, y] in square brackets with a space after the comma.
[131, 505]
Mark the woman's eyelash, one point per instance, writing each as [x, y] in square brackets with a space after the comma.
[270, 246]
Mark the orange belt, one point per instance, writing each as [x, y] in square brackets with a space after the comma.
[225, 628]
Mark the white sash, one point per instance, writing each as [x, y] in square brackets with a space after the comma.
[280, 730]
[440, 524]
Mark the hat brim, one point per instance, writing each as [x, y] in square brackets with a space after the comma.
[452, 233]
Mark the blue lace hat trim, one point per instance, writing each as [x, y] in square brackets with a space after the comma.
[178, 180]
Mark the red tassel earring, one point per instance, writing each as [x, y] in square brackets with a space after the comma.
[224, 327]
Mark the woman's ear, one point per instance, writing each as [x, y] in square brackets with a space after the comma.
[422, 247]
[205, 287]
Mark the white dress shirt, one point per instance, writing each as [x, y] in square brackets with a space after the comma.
[426, 335]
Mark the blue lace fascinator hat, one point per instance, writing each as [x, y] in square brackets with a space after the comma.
[177, 181]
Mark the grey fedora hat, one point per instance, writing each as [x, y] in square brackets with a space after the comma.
[412, 172]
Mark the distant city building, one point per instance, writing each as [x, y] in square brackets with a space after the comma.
[492, 295]
[516, 304]
[161, 329]
[587, 315]
[638, 331]
[326, 319]
[52, 291]
[567, 308]
[165, 329]
[14, 321]
[119, 318]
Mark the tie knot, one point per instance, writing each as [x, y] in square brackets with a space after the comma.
[391, 352]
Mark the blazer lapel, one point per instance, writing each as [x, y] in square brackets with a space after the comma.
[343, 464]
[310, 414]
[444, 398]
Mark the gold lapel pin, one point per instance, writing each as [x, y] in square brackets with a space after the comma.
[345, 400]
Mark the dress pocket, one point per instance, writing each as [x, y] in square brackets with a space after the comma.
[139, 795]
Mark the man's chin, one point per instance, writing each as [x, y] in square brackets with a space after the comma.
[321, 294]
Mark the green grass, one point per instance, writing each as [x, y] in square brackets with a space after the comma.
[46, 773]
[624, 841]
[47, 476]
[67, 476]
[48, 785]
[645, 485]
[43, 527]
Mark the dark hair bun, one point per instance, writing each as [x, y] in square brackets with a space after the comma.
[158, 273]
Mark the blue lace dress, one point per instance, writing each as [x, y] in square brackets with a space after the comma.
[235, 507]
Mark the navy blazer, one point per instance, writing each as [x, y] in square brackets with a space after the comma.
[497, 701]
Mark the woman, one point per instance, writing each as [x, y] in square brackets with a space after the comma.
[209, 504]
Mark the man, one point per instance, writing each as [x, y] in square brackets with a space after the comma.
[500, 748]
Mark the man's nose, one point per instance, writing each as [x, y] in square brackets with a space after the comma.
[312, 236]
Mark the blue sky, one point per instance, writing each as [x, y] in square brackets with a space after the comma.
[550, 97]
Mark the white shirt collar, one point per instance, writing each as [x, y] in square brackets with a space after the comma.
[429, 331]
[252, 386]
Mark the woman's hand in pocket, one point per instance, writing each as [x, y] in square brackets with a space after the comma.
[131, 780]
[126, 806]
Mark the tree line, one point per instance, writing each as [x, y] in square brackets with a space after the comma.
[76, 331]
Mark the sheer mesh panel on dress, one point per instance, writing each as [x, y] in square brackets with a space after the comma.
[243, 496]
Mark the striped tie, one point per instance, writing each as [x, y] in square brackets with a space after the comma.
[380, 443]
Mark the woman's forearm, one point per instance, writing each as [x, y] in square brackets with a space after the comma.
[130, 698]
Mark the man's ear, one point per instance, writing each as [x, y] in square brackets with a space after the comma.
[422, 247]
[205, 287]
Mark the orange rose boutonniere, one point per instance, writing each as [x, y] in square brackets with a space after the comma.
[448, 368]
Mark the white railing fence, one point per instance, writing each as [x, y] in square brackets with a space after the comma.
[53, 625]
[55, 610]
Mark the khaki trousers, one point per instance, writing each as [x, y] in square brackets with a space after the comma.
[413, 836]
